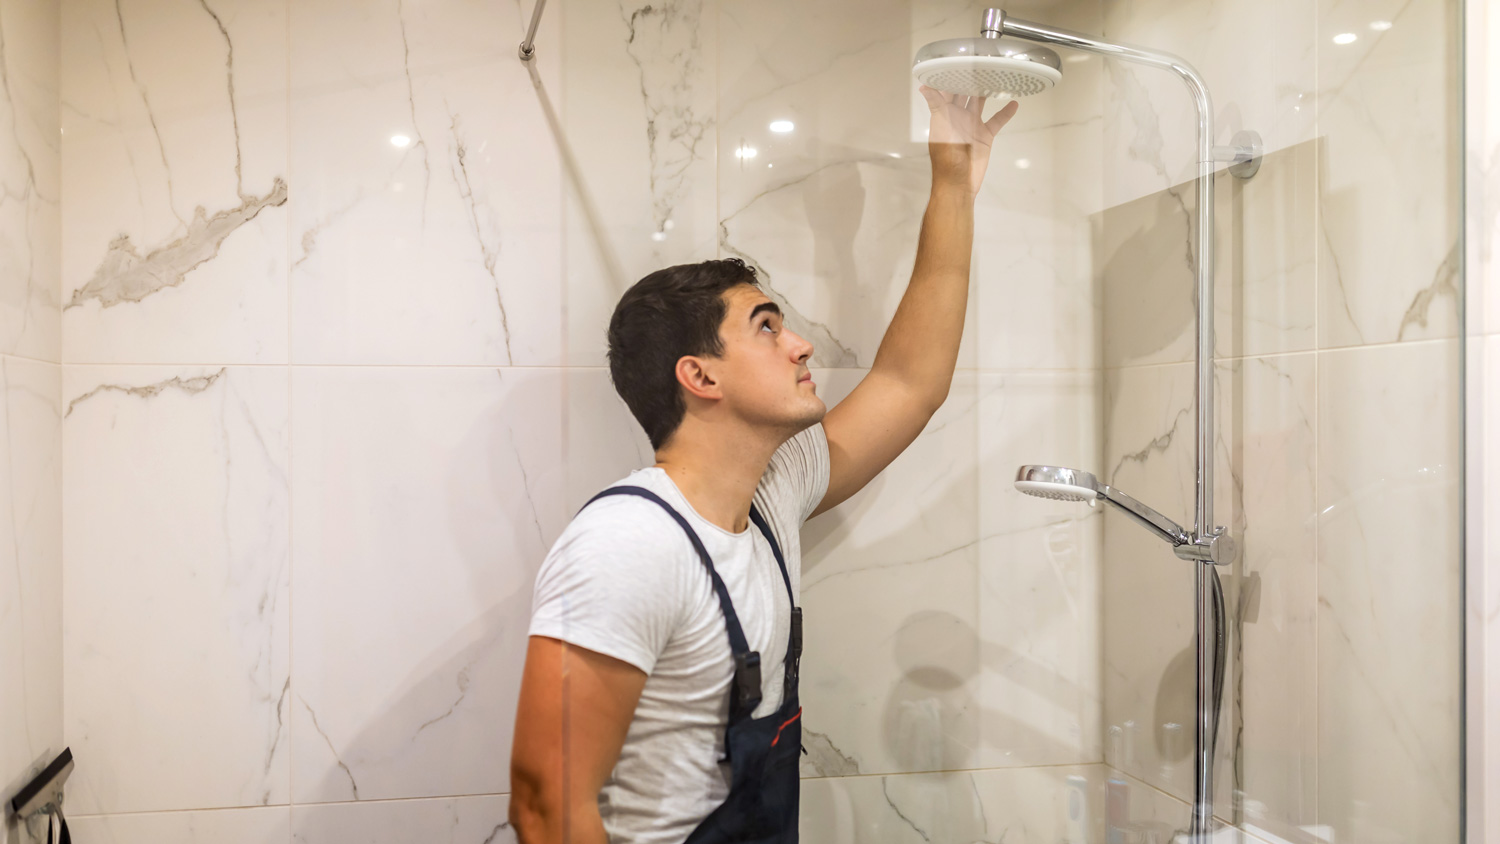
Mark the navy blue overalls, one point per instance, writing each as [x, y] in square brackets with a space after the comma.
[762, 752]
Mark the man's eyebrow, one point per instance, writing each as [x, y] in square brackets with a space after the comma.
[765, 306]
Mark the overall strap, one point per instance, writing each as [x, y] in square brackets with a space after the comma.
[746, 662]
[765, 528]
[793, 658]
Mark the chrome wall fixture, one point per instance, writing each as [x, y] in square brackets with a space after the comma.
[528, 46]
[1207, 545]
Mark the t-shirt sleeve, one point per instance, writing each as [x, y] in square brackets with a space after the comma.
[612, 583]
[797, 478]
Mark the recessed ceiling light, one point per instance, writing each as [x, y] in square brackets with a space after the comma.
[400, 141]
[782, 126]
[1345, 38]
[1380, 26]
[745, 152]
[1023, 163]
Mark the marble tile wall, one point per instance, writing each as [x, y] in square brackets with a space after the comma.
[31, 678]
[334, 282]
[1338, 395]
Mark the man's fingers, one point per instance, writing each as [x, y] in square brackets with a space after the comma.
[976, 106]
[935, 97]
[1003, 116]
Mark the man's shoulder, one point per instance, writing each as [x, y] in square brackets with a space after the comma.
[623, 524]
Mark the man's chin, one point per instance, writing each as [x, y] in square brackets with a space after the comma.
[813, 416]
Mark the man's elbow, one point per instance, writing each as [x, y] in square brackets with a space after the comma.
[533, 814]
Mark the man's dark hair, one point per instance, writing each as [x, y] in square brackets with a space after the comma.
[663, 317]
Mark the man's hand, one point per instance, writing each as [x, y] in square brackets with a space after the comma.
[959, 138]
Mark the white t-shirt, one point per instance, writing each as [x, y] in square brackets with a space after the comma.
[623, 580]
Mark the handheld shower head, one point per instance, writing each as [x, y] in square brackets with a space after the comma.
[1062, 484]
[1057, 483]
[987, 67]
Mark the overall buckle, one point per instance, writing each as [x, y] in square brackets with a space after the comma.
[747, 679]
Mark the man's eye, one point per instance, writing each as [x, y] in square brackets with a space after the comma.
[767, 325]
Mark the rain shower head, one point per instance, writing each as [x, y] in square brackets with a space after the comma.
[1057, 483]
[987, 67]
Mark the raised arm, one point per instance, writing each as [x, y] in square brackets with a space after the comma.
[575, 708]
[913, 368]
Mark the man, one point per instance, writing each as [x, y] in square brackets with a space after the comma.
[659, 699]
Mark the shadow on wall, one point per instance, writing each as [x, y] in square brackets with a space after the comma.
[949, 698]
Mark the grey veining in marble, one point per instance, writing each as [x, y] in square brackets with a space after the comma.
[125, 275]
[663, 39]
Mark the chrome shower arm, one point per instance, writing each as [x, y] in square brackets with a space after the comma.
[1148, 517]
[1007, 25]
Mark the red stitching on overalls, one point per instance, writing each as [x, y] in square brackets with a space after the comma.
[784, 725]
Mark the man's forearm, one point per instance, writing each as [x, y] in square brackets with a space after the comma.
[921, 345]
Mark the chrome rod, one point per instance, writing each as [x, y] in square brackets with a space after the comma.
[1147, 516]
[1204, 531]
[528, 47]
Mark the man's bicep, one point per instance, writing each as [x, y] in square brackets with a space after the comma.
[574, 711]
[866, 431]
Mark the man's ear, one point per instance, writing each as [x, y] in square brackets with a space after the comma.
[695, 377]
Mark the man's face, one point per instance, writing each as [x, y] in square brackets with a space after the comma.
[763, 372]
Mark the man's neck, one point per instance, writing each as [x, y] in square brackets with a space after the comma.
[718, 474]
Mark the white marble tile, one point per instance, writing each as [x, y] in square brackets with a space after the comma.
[30, 170]
[1483, 559]
[444, 250]
[424, 501]
[1482, 167]
[950, 626]
[1258, 59]
[1148, 592]
[1265, 266]
[826, 212]
[1264, 463]
[830, 212]
[639, 117]
[1037, 292]
[1389, 176]
[891, 669]
[175, 182]
[31, 680]
[457, 820]
[1389, 621]
[1482, 119]
[604, 442]
[1267, 422]
[269, 825]
[1265, 283]
[176, 643]
[1043, 805]
[1039, 601]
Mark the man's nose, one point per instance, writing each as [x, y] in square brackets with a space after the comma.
[801, 349]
